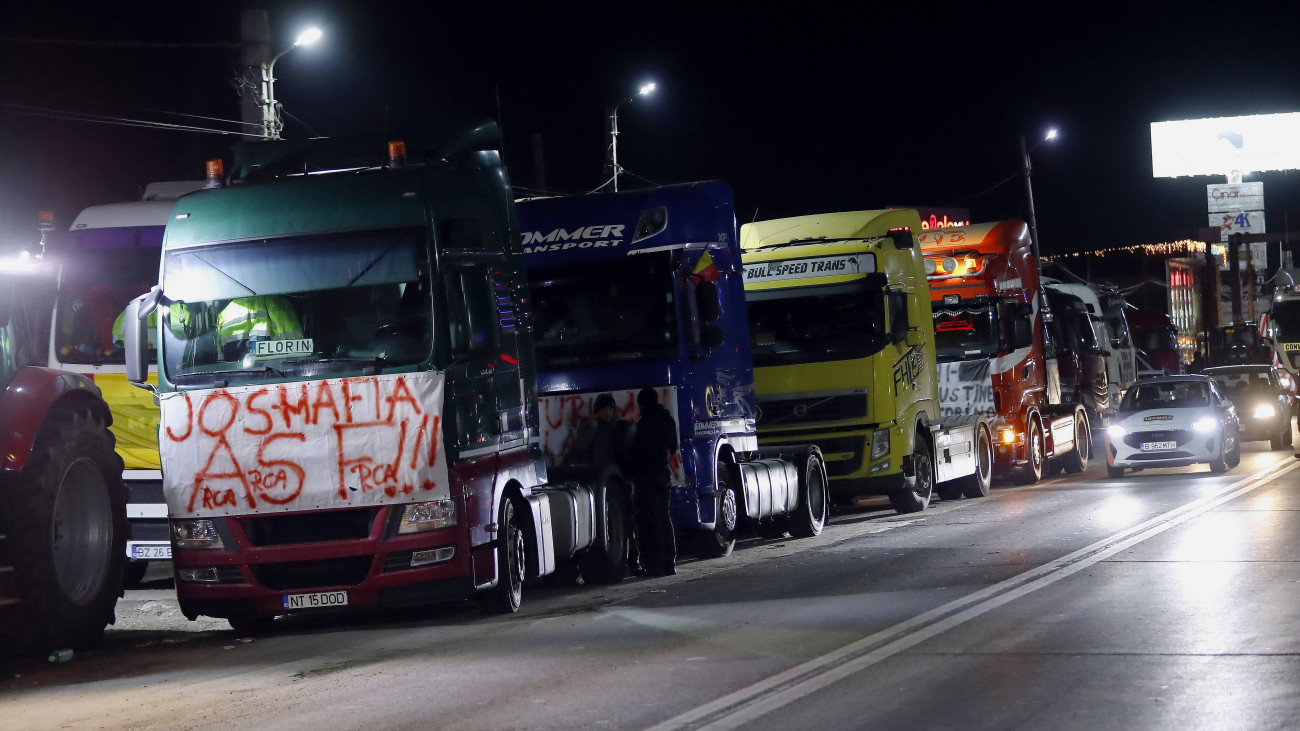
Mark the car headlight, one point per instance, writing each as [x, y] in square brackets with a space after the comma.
[1205, 424]
[1265, 411]
[196, 533]
[1115, 430]
[418, 517]
[880, 443]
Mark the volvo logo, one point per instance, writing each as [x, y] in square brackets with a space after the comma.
[801, 410]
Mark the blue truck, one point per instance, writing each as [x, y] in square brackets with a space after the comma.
[645, 289]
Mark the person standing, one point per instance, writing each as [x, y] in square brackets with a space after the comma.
[653, 443]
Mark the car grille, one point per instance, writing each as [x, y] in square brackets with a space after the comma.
[312, 574]
[1137, 438]
[786, 412]
[332, 525]
[1176, 454]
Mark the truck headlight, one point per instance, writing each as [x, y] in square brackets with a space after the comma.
[1265, 411]
[418, 517]
[196, 533]
[1205, 424]
[879, 443]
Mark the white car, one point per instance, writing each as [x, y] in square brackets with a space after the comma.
[1173, 421]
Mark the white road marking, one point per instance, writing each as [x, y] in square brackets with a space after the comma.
[748, 704]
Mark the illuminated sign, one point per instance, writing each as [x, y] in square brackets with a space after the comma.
[1224, 145]
[932, 218]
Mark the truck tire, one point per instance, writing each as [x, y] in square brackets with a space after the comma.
[606, 561]
[67, 540]
[1076, 460]
[512, 562]
[977, 484]
[810, 516]
[1034, 455]
[721, 540]
[917, 498]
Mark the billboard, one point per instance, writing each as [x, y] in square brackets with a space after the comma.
[1224, 145]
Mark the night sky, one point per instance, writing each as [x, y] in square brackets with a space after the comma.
[801, 109]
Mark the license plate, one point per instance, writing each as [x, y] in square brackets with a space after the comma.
[150, 550]
[1156, 446]
[313, 601]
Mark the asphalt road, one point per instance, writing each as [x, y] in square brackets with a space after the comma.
[1165, 599]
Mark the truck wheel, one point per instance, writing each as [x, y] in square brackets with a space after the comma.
[1076, 460]
[810, 516]
[721, 540]
[917, 498]
[1033, 470]
[67, 539]
[977, 484]
[508, 594]
[606, 561]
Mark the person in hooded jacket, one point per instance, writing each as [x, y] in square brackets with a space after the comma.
[654, 442]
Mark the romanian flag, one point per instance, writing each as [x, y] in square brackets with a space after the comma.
[704, 270]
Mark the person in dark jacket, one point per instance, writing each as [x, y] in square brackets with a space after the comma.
[653, 443]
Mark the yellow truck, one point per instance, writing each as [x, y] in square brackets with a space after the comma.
[842, 340]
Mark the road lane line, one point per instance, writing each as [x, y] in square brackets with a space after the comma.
[747, 704]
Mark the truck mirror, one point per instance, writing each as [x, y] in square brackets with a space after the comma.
[706, 298]
[711, 336]
[914, 338]
[137, 341]
[902, 238]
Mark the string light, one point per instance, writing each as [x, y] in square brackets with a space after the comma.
[1168, 248]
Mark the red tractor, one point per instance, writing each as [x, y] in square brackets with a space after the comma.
[62, 503]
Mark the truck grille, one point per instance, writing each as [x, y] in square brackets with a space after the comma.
[1136, 439]
[786, 412]
[330, 525]
[347, 571]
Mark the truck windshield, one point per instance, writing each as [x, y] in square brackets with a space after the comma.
[619, 311]
[811, 324]
[303, 305]
[1077, 329]
[965, 333]
[102, 270]
[1286, 320]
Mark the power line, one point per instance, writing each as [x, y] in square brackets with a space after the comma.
[24, 110]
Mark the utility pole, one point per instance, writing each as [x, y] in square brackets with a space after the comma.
[255, 59]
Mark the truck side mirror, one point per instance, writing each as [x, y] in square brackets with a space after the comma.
[711, 336]
[135, 333]
[706, 298]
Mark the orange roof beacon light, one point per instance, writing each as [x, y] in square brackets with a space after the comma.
[216, 174]
[396, 154]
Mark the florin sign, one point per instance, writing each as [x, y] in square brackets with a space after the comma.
[343, 442]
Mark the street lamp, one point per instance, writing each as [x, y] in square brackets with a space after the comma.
[1029, 190]
[271, 124]
[645, 90]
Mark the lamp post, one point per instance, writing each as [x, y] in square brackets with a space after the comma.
[271, 124]
[645, 90]
[1029, 191]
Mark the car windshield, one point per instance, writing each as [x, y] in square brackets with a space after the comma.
[102, 270]
[811, 324]
[301, 305]
[963, 333]
[1238, 382]
[1166, 395]
[609, 312]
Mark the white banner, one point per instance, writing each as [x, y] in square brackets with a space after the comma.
[965, 390]
[562, 416]
[1234, 197]
[820, 266]
[342, 442]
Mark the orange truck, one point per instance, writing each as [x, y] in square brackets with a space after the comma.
[996, 349]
